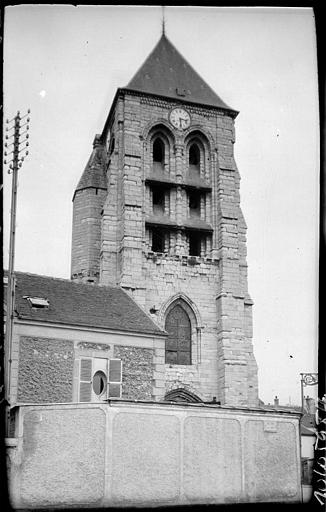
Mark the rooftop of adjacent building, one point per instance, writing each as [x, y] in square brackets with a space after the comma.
[56, 300]
[308, 421]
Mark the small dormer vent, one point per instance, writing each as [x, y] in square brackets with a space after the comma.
[181, 91]
[38, 302]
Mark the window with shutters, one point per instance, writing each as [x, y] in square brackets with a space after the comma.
[99, 379]
[178, 342]
[85, 385]
[115, 378]
[100, 383]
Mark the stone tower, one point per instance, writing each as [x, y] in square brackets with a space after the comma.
[157, 212]
[88, 201]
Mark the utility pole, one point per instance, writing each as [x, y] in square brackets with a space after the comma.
[19, 141]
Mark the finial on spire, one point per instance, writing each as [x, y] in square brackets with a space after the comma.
[163, 20]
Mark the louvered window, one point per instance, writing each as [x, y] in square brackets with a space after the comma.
[115, 378]
[85, 380]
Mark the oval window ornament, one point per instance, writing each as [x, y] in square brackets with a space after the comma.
[99, 383]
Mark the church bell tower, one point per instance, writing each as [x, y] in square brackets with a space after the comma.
[157, 212]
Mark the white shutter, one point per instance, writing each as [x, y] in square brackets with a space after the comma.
[85, 380]
[115, 378]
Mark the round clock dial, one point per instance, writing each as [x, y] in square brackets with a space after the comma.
[180, 118]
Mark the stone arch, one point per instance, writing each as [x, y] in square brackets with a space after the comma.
[200, 133]
[185, 350]
[181, 395]
[159, 131]
[185, 302]
[196, 142]
[158, 125]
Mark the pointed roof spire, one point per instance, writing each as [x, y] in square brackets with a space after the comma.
[94, 172]
[166, 72]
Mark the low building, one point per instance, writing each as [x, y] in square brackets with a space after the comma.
[75, 342]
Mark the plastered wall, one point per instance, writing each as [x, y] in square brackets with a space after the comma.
[145, 454]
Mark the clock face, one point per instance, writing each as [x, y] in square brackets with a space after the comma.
[180, 118]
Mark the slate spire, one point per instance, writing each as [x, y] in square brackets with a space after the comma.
[165, 72]
[94, 172]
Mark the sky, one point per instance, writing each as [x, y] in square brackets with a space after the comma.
[65, 63]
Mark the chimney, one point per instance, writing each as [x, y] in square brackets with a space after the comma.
[276, 402]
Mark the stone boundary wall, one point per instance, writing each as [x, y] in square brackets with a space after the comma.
[147, 454]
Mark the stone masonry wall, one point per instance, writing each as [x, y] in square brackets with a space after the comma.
[137, 372]
[224, 365]
[45, 371]
[167, 277]
[86, 233]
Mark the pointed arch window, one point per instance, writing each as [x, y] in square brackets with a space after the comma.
[194, 160]
[178, 342]
[158, 154]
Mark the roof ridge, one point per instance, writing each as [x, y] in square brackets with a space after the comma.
[65, 279]
[37, 275]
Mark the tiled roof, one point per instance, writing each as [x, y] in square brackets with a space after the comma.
[78, 304]
[165, 71]
[94, 172]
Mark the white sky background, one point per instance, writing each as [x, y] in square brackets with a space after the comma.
[65, 64]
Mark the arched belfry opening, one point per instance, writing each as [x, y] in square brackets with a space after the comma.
[158, 154]
[194, 160]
